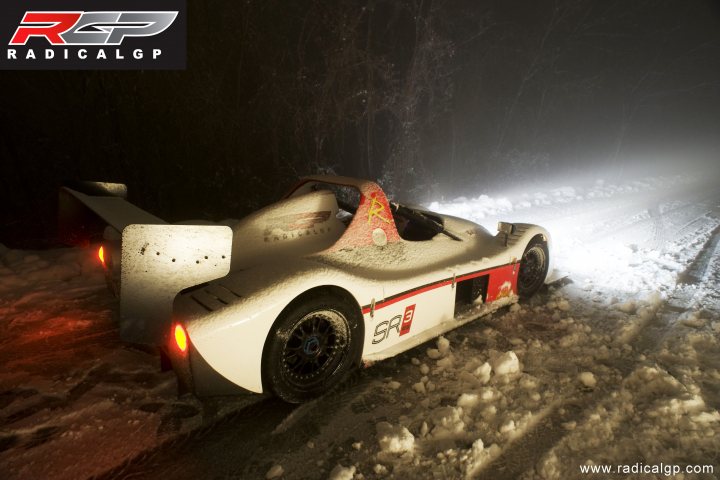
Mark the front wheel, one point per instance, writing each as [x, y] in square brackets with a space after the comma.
[312, 347]
[533, 268]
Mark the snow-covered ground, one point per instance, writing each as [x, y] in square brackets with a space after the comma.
[75, 401]
[617, 363]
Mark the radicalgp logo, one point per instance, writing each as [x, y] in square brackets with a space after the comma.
[91, 39]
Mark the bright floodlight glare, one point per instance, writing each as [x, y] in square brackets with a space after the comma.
[603, 223]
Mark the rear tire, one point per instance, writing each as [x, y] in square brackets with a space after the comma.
[533, 268]
[312, 347]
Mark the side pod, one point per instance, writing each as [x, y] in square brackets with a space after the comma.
[158, 261]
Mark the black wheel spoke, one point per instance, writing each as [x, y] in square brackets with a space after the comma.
[294, 350]
[296, 335]
[303, 363]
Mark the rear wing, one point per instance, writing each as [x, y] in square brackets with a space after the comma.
[85, 208]
[157, 260]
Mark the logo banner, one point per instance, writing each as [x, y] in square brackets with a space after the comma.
[93, 35]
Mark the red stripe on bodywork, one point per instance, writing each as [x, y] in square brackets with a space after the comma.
[498, 276]
[408, 294]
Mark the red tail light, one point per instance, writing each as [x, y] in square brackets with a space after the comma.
[101, 255]
[181, 338]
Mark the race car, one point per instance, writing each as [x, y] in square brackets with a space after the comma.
[293, 297]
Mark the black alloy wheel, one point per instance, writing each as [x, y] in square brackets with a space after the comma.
[312, 347]
[533, 268]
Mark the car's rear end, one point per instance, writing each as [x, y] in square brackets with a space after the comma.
[194, 373]
[146, 260]
[203, 303]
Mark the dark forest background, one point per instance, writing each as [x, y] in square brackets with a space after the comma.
[430, 97]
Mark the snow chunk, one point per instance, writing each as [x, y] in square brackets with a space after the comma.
[506, 363]
[394, 439]
[434, 353]
[424, 429]
[569, 425]
[587, 379]
[445, 363]
[468, 400]
[443, 348]
[706, 417]
[563, 305]
[275, 471]
[628, 307]
[479, 456]
[380, 469]
[448, 422]
[483, 372]
[508, 427]
[487, 393]
[692, 319]
[342, 473]
[550, 466]
[443, 345]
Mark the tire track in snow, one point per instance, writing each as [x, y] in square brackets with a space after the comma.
[605, 216]
[659, 222]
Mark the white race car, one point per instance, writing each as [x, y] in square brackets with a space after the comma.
[293, 297]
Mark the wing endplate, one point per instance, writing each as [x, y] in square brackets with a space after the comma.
[158, 261]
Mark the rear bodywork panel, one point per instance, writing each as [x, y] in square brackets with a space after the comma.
[155, 260]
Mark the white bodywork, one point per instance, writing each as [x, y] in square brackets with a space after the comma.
[406, 290]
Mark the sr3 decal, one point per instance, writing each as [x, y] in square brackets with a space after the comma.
[400, 323]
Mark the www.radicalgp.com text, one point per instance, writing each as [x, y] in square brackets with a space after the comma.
[648, 469]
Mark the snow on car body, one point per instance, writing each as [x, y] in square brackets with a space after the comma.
[330, 276]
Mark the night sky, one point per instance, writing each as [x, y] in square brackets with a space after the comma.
[433, 98]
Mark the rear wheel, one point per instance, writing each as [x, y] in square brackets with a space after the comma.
[312, 347]
[533, 268]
